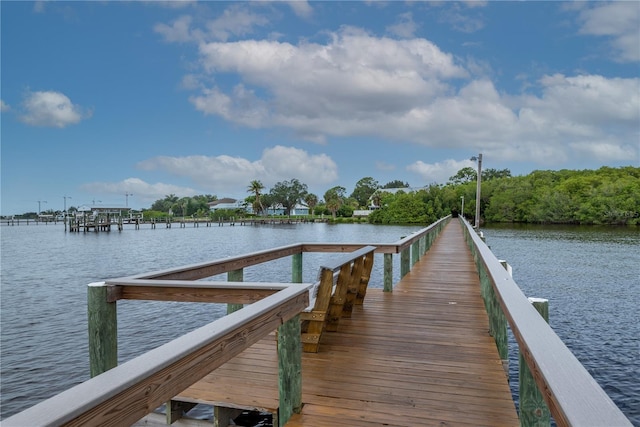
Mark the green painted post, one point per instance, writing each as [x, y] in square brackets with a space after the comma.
[235, 276]
[296, 268]
[405, 265]
[103, 330]
[415, 252]
[388, 273]
[289, 369]
[533, 408]
[423, 245]
[497, 319]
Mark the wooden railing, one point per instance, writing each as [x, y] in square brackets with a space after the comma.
[122, 394]
[571, 394]
[130, 391]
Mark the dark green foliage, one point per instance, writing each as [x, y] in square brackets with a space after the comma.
[363, 190]
[185, 206]
[345, 211]
[225, 214]
[289, 193]
[402, 208]
[603, 196]
[396, 184]
[334, 198]
[463, 176]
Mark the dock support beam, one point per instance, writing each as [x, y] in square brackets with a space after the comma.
[235, 276]
[296, 268]
[388, 272]
[289, 369]
[497, 319]
[103, 329]
[533, 409]
[405, 262]
[415, 252]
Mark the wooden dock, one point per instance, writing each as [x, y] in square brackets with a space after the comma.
[420, 355]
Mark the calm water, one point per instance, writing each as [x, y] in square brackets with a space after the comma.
[45, 272]
[590, 277]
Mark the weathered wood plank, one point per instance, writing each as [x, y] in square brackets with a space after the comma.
[417, 356]
[212, 268]
[129, 391]
[103, 329]
[230, 292]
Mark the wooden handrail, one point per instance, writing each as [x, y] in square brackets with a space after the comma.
[212, 268]
[348, 258]
[220, 266]
[130, 391]
[406, 242]
[190, 290]
[125, 393]
[572, 395]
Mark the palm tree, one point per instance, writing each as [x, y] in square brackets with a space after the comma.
[311, 200]
[256, 187]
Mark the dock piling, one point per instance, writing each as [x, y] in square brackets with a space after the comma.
[103, 329]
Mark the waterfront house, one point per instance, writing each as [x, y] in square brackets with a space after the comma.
[230, 204]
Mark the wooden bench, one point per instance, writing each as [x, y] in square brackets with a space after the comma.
[339, 287]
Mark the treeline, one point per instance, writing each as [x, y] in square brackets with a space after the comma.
[604, 196]
[181, 206]
[284, 196]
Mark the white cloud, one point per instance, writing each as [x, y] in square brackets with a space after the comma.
[231, 175]
[175, 4]
[179, 31]
[341, 88]
[475, 3]
[439, 172]
[606, 151]
[618, 20]
[236, 20]
[591, 99]
[302, 8]
[143, 191]
[39, 6]
[462, 19]
[4, 107]
[384, 166]
[405, 26]
[242, 107]
[357, 84]
[52, 109]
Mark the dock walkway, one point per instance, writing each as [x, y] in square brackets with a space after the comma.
[421, 355]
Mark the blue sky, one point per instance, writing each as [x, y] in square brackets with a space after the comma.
[104, 99]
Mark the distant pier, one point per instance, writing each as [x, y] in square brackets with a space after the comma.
[108, 224]
[29, 221]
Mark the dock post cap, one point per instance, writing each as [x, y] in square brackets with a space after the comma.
[96, 284]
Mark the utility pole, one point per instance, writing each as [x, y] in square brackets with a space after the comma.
[65, 212]
[479, 179]
[126, 202]
[65, 205]
[39, 202]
